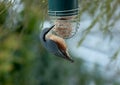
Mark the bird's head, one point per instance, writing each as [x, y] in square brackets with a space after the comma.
[44, 32]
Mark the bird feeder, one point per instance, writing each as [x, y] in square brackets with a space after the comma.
[63, 14]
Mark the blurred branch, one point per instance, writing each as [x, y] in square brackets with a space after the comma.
[5, 5]
[89, 29]
[115, 55]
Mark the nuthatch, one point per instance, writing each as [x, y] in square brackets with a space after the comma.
[54, 44]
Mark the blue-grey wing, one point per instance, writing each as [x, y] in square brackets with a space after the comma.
[53, 48]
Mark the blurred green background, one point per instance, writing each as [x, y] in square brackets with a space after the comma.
[24, 61]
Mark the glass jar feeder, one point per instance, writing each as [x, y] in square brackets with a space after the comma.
[63, 14]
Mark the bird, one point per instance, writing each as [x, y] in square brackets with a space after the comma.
[54, 44]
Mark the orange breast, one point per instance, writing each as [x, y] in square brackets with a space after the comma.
[59, 41]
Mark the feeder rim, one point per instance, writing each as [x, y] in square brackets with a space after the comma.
[65, 10]
[68, 14]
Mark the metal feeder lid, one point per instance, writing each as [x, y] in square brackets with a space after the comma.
[62, 7]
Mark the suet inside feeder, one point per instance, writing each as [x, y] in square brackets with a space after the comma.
[63, 14]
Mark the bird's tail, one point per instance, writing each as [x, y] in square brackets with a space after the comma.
[68, 57]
